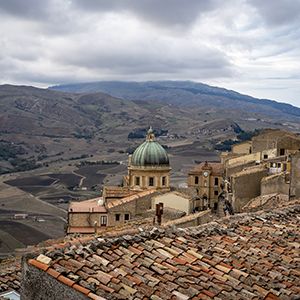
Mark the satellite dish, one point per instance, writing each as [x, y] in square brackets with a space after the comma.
[101, 202]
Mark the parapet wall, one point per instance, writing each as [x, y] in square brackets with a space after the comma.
[274, 184]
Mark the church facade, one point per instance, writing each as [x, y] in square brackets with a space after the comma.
[148, 167]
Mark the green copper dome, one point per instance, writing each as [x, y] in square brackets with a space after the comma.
[150, 153]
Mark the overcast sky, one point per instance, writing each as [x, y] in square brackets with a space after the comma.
[251, 46]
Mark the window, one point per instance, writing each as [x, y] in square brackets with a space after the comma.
[265, 156]
[117, 217]
[126, 217]
[163, 181]
[281, 152]
[103, 220]
[151, 181]
[205, 183]
[196, 180]
[216, 181]
[137, 180]
[216, 193]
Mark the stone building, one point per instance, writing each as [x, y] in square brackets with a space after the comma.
[207, 178]
[93, 215]
[283, 141]
[148, 174]
[149, 166]
[266, 170]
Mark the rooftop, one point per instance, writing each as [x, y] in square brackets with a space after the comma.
[137, 195]
[117, 192]
[10, 275]
[246, 256]
[91, 205]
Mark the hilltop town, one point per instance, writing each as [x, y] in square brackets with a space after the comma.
[157, 229]
[149, 150]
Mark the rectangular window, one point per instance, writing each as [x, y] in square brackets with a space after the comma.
[137, 180]
[151, 181]
[196, 180]
[216, 181]
[281, 152]
[103, 220]
[117, 217]
[265, 156]
[163, 181]
[126, 217]
[216, 193]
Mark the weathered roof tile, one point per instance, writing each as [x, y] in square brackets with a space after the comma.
[230, 260]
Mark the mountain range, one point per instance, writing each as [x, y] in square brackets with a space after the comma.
[105, 118]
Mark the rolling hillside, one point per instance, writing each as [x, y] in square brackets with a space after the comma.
[44, 126]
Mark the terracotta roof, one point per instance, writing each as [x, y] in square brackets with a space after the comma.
[216, 167]
[91, 205]
[246, 256]
[117, 192]
[136, 196]
[10, 275]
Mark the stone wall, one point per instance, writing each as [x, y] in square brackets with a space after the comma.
[235, 169]
[84, 219]
[242, 148]
[275, 184]
[133, 208]
[266, 140]
[241, 160]
[192, 220]
[295, 176]
[290, 144]
[174, 200]
[246, 185]
[38, 285]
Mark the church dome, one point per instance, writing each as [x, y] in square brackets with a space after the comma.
[150, 153]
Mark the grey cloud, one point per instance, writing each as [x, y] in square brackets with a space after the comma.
[25, 9]
[278, 12]
[166, 12]
[164, 57]
[244, 42]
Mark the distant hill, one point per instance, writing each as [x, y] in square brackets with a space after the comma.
[185, 93]
[45, 126]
